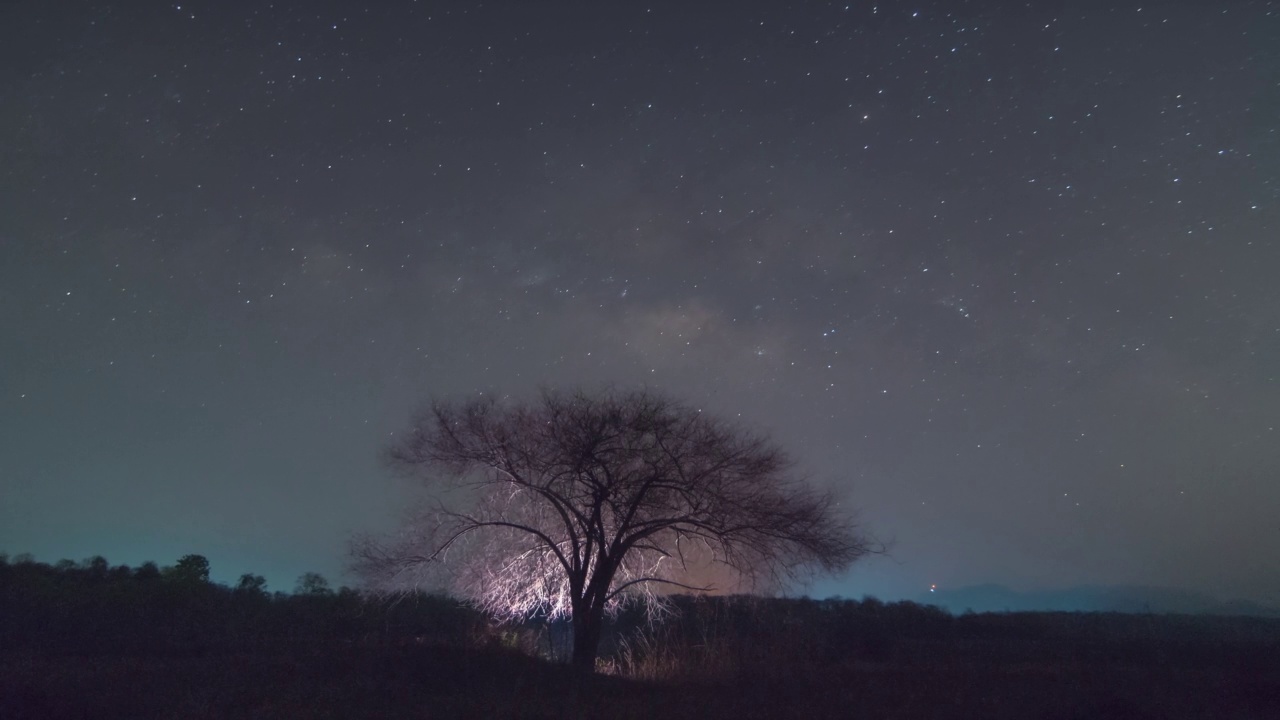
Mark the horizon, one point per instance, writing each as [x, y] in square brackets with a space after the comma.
[1050, 598]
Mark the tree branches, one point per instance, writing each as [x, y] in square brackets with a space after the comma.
[579, 502]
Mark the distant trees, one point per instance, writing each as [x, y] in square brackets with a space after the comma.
[312, 584]
[77, 607]
[252, 584]
[97, 566]
[573, 503]
[147, 571]
[190, 569]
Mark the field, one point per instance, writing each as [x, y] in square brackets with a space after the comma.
[448, 683]
[75, 644]
[929, 680]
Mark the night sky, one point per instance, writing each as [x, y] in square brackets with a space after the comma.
[1002, 273]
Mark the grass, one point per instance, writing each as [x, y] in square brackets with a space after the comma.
[948, 681]
[91, 641]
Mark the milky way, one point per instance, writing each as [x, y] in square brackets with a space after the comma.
[1003, 274]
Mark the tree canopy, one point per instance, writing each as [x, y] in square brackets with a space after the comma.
[574, 503]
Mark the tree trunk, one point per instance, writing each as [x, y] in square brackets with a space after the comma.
[587, 626]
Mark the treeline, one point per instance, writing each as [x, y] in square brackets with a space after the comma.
[95, 607]
[751, 636]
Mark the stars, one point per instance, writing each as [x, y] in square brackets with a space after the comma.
[1023, 242]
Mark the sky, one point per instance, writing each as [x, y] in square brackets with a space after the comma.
[1002, 275]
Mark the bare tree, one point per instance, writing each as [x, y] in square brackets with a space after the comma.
[573, 504]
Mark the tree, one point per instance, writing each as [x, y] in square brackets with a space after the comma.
[312, 583]
[251, 584]
[147, 571]
[97, 567]
[573, 504]
[190, 570]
